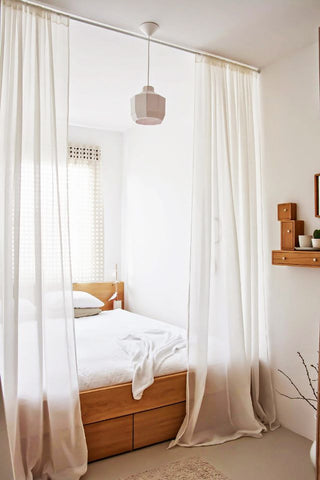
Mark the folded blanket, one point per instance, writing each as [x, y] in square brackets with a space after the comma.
[147, 350]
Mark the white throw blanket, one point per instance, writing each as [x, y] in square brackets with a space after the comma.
[147, 350]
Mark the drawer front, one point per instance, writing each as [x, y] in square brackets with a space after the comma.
[109, 437]
[115, 401]
[158, 425]
[296, 258]
[287, 211]
[288, 238]
[290, 231]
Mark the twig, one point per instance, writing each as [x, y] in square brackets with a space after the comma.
[316, 368]
[308, 375]
[295, 398]
[297, 389]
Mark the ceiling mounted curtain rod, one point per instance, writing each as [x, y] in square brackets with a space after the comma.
[95, 23]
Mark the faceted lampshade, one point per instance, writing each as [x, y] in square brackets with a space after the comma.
[147, 107]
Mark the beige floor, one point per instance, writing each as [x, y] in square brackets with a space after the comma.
[279, 455]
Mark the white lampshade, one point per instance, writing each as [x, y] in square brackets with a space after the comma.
[147, 107]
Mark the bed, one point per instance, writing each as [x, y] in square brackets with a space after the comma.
[115, 422]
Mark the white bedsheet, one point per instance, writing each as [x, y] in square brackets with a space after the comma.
[118, 346]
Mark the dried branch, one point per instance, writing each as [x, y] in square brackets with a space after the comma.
[297, 389]
[296, 398]
[308, 375]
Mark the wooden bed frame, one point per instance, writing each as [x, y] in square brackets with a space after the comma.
[116, 423]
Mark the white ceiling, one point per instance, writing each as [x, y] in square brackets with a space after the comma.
[252, 31]
[108, 68]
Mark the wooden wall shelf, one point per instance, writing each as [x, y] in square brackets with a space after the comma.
[296, 258]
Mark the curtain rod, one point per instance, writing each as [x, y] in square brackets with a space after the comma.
[95, 23]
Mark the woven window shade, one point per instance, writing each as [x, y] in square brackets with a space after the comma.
[86, 214]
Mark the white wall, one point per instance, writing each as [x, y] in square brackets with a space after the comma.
[111, 144]
[157, 196]
[291, 116]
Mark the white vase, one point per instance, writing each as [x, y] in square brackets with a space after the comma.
[313, 453]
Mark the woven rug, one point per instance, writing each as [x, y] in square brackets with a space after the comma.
[193, 468]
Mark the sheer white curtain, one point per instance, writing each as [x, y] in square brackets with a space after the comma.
[229, 385]
[38, 362]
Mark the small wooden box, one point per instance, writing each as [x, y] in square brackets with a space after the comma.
[287, 211]
[290, 230]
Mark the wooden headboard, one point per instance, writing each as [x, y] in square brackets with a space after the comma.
[103, 291]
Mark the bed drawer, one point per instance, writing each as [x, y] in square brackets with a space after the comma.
[110, 437]
[115, 401]
[157, 425]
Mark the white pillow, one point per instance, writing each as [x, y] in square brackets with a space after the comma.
[85, 300]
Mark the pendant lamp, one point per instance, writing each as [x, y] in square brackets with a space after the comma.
[147, 107]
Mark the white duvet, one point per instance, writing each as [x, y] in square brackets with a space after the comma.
[118, 346]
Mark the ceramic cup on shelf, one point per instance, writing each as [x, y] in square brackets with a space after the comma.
[316, 242]
[305, 241]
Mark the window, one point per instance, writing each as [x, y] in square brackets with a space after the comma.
[85, 214]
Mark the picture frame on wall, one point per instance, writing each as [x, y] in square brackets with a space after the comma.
[317, 195]
[317, 211]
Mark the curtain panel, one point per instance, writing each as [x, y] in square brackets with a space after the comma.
[38, 361]
[229, 391]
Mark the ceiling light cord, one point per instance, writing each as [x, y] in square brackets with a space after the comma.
[148, 72]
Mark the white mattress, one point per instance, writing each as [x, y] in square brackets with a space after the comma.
[106, 358]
